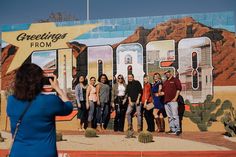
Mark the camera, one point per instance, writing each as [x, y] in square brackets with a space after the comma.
[46, 80]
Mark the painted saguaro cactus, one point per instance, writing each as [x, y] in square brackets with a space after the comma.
[203, 114]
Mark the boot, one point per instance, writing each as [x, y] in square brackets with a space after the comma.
[139, 129]
[102, 126]
[158, 124]
[162, 125]
[89, 125]
[99, 128]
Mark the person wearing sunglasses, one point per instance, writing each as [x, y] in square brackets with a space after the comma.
[118, 101]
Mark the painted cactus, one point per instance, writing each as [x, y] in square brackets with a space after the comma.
[204, 114]
[229, 121]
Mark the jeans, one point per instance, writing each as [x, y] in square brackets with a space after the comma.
[173, 117]
[130, 110]
[120, 109]
[101, 113]
[83, 112]
[148, 114]
[91, 111]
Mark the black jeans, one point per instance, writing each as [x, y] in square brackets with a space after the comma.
[120, 110]
[84, 112]
[148, 114]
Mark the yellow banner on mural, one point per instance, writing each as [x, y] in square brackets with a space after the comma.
[42, 37]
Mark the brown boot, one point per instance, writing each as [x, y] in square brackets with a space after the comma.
[158, 124]
[99, 128]
[162, 125]
[89, 125]
[139, 129]
[102, 127]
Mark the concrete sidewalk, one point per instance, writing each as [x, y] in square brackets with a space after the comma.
[120, 143]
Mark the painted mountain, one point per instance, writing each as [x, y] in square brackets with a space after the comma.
[223, 47]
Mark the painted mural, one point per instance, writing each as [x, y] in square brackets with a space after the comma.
[198, 48]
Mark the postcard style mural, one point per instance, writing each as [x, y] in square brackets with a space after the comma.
[198, 48]
[130, 60]
[195, 68]
[100, 60]
[160, 57]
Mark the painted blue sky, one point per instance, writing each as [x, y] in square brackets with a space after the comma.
[28, 11]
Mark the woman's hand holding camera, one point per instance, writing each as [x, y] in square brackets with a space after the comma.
[55, 85]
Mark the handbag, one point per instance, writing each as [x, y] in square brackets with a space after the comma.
[17, 127]
[149, 106]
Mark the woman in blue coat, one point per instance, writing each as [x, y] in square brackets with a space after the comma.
[36, 136]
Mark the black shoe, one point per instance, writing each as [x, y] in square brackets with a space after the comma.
[170, 132]
[178, 133]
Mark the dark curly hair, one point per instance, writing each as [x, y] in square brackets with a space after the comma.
[28, 82]
[99, 78]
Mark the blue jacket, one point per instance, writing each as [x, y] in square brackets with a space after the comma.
[36, 136]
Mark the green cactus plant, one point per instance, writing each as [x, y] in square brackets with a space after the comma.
[90, 132]
[145, 137]
[130, 134]
[229, 121]
[205, 113]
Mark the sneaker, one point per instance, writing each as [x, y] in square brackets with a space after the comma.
[170, 132]
[178, 133]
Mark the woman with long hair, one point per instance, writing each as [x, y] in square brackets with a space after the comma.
[91, 100]
[118, 101]
[36, 132]
[158, 102]
[103, 94]
[147, 103]
[80, 94]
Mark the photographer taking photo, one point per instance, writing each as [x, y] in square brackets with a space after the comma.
[32, 113]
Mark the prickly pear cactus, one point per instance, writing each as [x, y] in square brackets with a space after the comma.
[205, 113]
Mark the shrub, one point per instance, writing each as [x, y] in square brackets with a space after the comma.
[145, 137]
[90, 132]
[130, 134]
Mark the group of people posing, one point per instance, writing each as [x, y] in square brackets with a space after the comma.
[155, 101]
[32, 112]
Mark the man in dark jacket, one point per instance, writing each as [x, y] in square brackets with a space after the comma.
[134, 91]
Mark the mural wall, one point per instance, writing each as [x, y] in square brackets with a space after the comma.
[198, 48]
